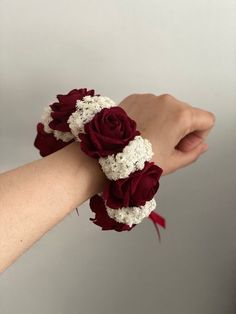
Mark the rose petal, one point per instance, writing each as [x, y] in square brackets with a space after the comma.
[46, 142]
[102, 219]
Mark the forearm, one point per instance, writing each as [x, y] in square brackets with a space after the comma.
[38, 195]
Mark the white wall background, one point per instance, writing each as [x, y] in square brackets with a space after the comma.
[186, 48]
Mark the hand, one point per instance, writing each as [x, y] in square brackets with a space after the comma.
[176, 130]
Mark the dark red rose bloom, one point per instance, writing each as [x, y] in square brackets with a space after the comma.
[101, 217]
[46, 142]
[62, 110]
[107, 133]
[134, 190]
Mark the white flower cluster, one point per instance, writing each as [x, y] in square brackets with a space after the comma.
[131, 159]
[46, 119]
[86, 110]
[131, 215]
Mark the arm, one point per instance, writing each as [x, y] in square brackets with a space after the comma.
[36, 196]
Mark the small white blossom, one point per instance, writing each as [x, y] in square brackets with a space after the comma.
[131, 159]
[46, 119]
[86, 109]
[131, 215]
[64, 136]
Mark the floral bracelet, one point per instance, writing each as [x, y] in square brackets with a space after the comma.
[105, 132]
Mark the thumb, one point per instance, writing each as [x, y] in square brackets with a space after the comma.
[182, 159]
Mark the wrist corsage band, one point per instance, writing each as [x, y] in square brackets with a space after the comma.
[105, 132]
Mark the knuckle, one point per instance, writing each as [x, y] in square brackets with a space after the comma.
[166, 97]
[184, 115]
[184, 119]
[148, 94]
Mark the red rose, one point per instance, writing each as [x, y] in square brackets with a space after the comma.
[46, 142]
[101, 217]
[62, 110]
[107, 133]
[134, 190]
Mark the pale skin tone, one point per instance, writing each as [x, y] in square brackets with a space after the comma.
[38, 195]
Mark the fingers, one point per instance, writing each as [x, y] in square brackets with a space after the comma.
[189, 142]
[181, 159]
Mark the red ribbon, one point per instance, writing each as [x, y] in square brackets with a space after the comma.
[157, 220]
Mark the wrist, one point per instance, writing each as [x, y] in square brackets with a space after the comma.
[87, 176]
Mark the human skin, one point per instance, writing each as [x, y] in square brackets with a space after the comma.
[38, 195]
[176, 129]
